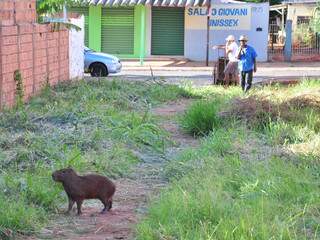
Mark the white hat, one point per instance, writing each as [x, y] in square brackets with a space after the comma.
[243, 38]
[230, 38]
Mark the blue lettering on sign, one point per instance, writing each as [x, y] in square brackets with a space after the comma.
[224, 22]
[230, 12]
[197, 12]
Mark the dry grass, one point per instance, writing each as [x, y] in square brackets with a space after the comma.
[257, 110]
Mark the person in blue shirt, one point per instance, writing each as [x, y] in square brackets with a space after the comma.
[247, 63]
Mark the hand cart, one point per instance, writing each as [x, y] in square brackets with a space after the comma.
[219, 66]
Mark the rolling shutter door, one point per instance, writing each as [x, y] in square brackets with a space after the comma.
[117, 30]
[85, 12]
[167, 31]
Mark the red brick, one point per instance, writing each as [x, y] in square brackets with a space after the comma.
[40, 44]
[6, 15]
[8, 87]
[25, 47]
[26, 56]
[9, 40]
[40, 36]
[13, 58]
[40, 53]
[25, 28]
[41, 28]
[40, 61]
[26, 73]
[52, 51]
[49, 35]
[27, 38]
[8, 30]
[9, 68]
[27, 81]
[11, 49]
[52, 43]
[55, 35]
[6, 5]
[7, 78]
[40, 70]
[27, 64]
[52, 60]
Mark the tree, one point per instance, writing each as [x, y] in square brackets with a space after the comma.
[51, 7]
[316, 18]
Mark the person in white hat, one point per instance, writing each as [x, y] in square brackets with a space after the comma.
[247, 63]
[231, 71]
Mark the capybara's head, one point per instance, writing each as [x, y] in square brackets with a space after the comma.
[63, 174]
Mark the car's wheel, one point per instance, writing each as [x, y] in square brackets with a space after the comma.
[98, 70]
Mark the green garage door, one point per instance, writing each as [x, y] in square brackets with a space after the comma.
[117, 30]
[85, 12]
[167, 31]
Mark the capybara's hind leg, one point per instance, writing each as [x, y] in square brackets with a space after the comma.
[110, 204]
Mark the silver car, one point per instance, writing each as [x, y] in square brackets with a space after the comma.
[100, 64]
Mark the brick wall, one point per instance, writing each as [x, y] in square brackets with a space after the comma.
[38, 50]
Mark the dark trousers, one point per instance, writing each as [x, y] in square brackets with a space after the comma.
[246, 80]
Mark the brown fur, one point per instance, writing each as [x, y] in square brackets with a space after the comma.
[79, 188]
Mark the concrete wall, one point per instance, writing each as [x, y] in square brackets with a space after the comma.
[38, 50]
[195, 39]
[76, 43]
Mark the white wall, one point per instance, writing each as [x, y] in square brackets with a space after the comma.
[195, 39]
[76, 45]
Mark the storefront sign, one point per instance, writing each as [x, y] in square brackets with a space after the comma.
[222, 17]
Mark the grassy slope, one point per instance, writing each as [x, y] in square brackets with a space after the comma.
[90, 126]
[237, 185]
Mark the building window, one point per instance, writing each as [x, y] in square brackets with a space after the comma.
[303, 20]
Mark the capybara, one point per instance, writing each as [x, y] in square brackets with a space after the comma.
[79, 188]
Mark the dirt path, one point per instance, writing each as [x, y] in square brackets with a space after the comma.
[130, 200]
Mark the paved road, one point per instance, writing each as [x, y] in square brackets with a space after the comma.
[201, 75]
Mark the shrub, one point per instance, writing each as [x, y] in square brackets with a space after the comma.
[201, 117]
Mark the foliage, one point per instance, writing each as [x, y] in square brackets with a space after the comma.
[97, 126]
[19, 88]
[316, 18]
[201, 117]
[241, 183]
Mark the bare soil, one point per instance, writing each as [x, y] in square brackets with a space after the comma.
[132, 194]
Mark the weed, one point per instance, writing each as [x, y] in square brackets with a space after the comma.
[201, 117]
[92, 126]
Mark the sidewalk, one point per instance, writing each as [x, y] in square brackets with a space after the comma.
[176, 70]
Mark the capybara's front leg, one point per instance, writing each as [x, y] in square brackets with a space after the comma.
[71, 203]
[79, 203]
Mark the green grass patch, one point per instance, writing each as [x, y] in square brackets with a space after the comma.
[94, 126]
[236, 185]
[201, 117]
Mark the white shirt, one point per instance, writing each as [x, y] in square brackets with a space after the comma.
[233, 54]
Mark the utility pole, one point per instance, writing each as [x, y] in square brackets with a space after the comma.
[208, 33]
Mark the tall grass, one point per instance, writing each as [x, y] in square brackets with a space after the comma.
[201, 117]
[236, 186]
[91, 126]
[230, 197]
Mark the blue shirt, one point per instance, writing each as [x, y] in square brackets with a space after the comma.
[246, 61]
